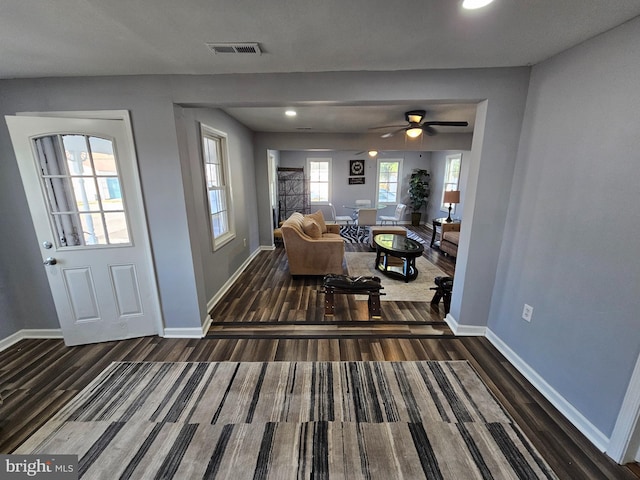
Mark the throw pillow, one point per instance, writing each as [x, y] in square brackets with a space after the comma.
[310, 227]
[319, 217]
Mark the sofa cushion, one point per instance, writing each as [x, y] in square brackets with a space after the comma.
[451, 237]
[311, 227]
[295, 221]
[319, 217]
[332, 235]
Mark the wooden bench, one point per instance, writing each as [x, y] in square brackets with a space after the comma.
[343, 284]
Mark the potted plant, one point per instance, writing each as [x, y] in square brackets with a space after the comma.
[418, 193]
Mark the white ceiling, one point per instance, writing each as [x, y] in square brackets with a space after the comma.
[351, 118]
[126, 37]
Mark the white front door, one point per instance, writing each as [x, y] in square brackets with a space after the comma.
[81, 181]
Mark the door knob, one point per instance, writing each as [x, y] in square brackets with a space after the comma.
[50, 261]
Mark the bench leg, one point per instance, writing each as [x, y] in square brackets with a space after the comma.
[374, 304]
[329, 305]
[436, 297]
[447, 302]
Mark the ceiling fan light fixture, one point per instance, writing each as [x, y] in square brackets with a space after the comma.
[414, 132]
[373, 153]
[415, 116]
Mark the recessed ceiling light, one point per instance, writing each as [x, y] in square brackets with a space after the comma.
[473, 4]
[291, 113]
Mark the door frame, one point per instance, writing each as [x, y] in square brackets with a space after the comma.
[149, 262]
[625, 439]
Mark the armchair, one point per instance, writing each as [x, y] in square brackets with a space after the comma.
[312, 247]
[449, 238]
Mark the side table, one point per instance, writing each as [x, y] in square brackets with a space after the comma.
[437, 222]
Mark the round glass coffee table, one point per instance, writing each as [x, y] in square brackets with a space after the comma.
[396, 256]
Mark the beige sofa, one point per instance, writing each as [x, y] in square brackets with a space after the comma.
[313, 247]
[449, 239]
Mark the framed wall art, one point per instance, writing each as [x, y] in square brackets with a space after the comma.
[356, 167]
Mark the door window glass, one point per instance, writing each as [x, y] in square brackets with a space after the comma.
[85, 199]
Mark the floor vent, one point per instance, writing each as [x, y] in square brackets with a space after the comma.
[251, 48]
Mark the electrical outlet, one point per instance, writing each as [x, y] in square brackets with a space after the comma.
[527, 312]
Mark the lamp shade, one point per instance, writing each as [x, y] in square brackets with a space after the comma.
[414, 132]
[452, 196]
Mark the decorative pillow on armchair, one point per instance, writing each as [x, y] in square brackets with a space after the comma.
[311, 227]
[319, 217]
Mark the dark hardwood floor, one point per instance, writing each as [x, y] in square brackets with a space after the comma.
[266, 292]
[39, 376]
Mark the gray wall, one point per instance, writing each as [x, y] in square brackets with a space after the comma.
[571, 240]
[344, 194]
[154, 130]
[215, 268]
[438, 164]
[165, 178]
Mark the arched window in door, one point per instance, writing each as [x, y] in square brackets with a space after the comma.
[79, 174]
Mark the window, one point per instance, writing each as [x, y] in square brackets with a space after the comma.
[81, 179]
[319, 172]
[389, 181]
[216, 176]
[451, 178]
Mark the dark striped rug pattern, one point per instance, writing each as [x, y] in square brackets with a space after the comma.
[315, 420]
[352, 234]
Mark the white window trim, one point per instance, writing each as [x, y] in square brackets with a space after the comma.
[444, 207]
[308, 176]
[399, 195]
[222, 240]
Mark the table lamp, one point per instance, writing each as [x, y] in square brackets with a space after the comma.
[451, 196]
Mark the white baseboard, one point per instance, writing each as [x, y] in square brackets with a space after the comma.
[195, 332]
[464, 330]
[29, 333]
[229, 283]
[206, 324]
[594, 435]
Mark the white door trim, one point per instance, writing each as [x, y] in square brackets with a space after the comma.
[124, 116]
[625, 438]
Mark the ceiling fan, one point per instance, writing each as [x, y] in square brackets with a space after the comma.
[416, 125]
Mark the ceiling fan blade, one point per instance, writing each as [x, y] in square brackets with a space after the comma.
[447, 124]
[386, 126]
[429, 130]
[391, 134]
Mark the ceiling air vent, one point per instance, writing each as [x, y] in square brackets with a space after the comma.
[251, 48]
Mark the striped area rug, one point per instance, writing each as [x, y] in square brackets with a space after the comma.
[352, 234]
[289, 420]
